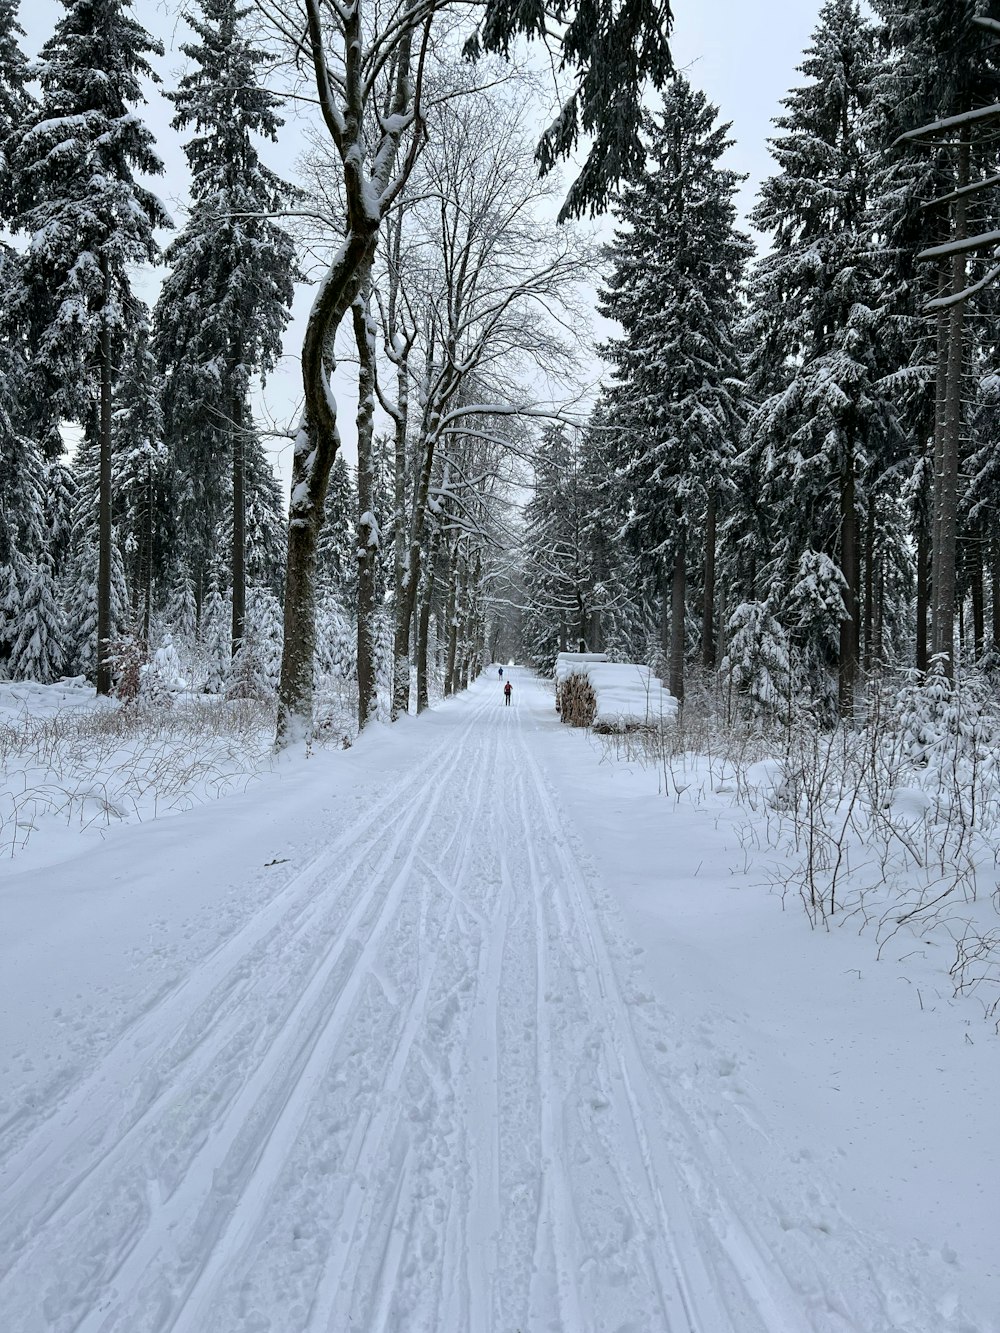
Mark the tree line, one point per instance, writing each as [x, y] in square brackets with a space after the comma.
[420, 204]
[791, 474]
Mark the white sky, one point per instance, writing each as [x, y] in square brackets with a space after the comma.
[743, 56]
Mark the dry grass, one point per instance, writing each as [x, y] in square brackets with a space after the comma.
[106, 764]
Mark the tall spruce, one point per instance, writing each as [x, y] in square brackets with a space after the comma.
[73, 162]
[143, 483]
[813, 332]
[21, 464]
[227, 298]
[678, 262]
[942, 65]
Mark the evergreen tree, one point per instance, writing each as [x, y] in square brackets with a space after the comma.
[143, 489]
[562, 585]
[214, 656]
[60, 505]
[677, 266]
[265, 536]
[37, 651]
[813, 332]
[756, 664]
[336, 558]
[15, 101]
[79, 573]
[88, 221]
[226, 300]
[940, 64]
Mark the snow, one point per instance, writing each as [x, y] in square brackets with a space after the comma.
[470, 1028]
[69, 772]
[567, 664]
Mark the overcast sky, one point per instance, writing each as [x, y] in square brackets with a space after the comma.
[743, 56]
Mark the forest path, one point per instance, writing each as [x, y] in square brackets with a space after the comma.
[409, 1092]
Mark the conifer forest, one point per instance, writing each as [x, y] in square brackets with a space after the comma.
[774, 474]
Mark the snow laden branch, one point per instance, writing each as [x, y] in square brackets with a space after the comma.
[967, 120]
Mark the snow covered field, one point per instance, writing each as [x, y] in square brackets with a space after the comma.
[468, 1029]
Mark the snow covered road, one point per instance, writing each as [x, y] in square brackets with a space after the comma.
[416, 1085]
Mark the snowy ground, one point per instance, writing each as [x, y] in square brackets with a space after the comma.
[465, 1031]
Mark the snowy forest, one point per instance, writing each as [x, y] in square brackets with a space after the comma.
[499, 666]
[785, 486]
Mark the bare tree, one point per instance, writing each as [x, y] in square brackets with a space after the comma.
[368, 70]
[491, 285]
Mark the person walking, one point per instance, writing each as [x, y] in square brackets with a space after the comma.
[500, 669]
[507, 692]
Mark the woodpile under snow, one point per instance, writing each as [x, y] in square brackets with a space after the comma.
[610, 696]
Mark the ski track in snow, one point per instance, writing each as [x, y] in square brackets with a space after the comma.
[417, 1092]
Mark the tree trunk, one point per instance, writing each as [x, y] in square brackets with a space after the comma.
[104, 626]
[147, 571]
[708, 603]
[312, 458]
[424, 624]
[976, 592]
[451, 620]
[995, 592]
[239, 560]
[951, 433]
[368, 531]
[870, 578]
[423, 635]
[848, 673]
[678, 590]
[923, 592]
[665, 586]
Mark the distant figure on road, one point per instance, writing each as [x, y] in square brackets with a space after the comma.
[500, 669]
[507, 692]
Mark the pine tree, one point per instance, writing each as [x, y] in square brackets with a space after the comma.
[756, 663]
[214, 657]
[142, 482]
[264, 525]
[941, 64]
[88, 220]
[677, 265]
[37, 652]
[561, 581]
[813, 332]
[79, 600]
[226, 300]
[336, 558]
[15, 101]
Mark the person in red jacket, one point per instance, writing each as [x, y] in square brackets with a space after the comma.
[508, 690]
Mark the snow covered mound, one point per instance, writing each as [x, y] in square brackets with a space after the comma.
[618, 695]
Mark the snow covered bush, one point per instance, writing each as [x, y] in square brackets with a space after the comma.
[127, 656]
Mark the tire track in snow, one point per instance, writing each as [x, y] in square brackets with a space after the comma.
[256, 1088]
[246, 1208]
[466, 836]
[692, 1285]
[128, 1057]
[340, 1275]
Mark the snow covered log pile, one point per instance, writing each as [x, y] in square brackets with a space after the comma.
[574, 698]
[610, 696]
